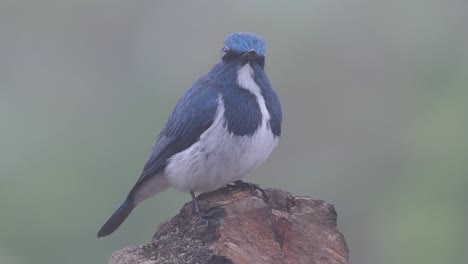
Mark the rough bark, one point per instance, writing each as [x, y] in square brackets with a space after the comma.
[243, 226]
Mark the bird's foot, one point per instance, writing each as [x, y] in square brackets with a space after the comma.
[212, 212]
[252, 186]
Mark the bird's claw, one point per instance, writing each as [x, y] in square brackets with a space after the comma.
[212, 212]
[252, 186]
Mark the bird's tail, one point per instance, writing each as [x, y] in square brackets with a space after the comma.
[117, 218]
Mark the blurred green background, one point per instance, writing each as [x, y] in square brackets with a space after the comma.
[374, 94]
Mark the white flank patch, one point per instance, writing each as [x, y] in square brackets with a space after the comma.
[154, 185]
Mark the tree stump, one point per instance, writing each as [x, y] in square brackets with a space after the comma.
[242, 225]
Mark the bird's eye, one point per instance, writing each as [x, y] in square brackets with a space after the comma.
[224, 52]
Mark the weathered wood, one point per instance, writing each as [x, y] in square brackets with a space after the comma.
[245, 227]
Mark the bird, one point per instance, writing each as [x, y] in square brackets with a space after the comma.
[224, 126]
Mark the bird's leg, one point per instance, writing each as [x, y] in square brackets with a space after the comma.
[194, 201]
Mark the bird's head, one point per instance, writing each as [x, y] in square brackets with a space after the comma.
[244, 47]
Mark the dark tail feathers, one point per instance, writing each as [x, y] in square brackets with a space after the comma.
[117, 218]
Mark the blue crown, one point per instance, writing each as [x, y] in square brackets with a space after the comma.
[241, 42]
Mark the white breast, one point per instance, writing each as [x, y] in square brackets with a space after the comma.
[220, 157]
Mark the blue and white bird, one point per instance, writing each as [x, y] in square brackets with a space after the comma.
[222, 128]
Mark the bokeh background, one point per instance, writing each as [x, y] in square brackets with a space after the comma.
[374, 94]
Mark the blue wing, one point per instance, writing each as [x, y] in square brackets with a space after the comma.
[193, 114]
